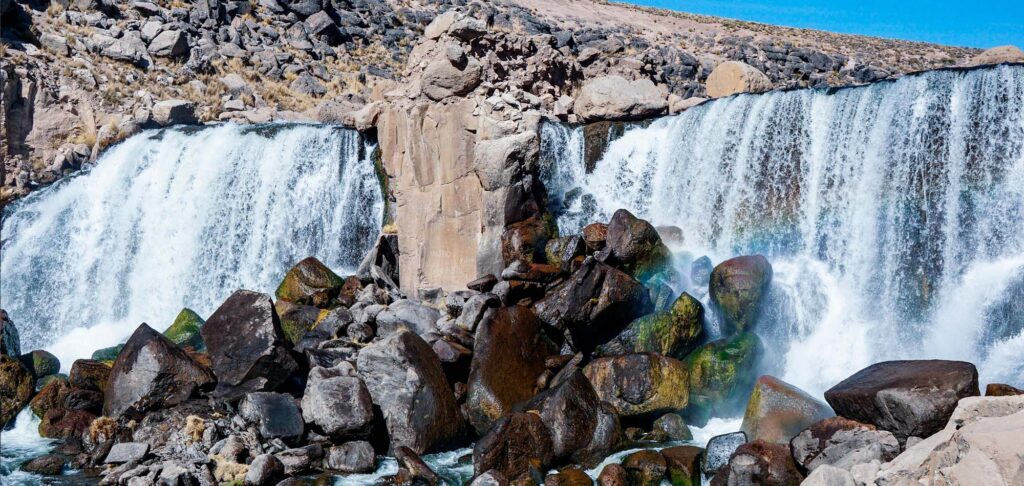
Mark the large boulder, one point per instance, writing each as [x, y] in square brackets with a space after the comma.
[645, 468]
[50, 396]
[246, 345]
[509, 353]
[998, 55]
[616, 98]
[907, 398]
[418, 317]
[777, 411]
[583, 430]
[276, 414]
[16, 387]
[174, 112]
[62, 423]
[673, 333]
[526, 240]
[732, 77]
[151, 372]
[721, 375]
[842, 443]
[720, 449]
[10, 340]
[337, 403]
[41, 363]
[296, 320]
[185, 330]
[516, 443]
[406, 381]
[445, 77]
[635, 246]
[738, 287]
[761, 463]
[309, 282]
[640, 386]
[594, 304]
[683, 465]
[169, 43]
[351, 457]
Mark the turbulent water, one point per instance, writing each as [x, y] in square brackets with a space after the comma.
[893, 214]
[182, 217]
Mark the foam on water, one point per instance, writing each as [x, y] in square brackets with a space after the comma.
[20, 444]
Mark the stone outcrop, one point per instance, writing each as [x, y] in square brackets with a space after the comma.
[732, 77]
[842, 443]
[998, 55]
[616, 98]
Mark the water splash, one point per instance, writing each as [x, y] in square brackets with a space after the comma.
[182, 217]
[893, 213]
[20, 444]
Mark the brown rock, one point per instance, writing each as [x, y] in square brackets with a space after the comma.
[310, 282]
[595, 235]
[16, 387]
[683, 465]
[844, 443]
[1001, 390]
[613, 475]
[732, 77]
[760, 463]
[61, 423]
[645, 468]
[616, 98]
[777, 411]
[640, 386]
[50, 396]
[998, 55]
[525, 240]
[515, 444]
[569, 477]
[89, 375]
[583, 429]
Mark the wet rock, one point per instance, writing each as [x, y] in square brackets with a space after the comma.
[636, 247]
[48, 465]
[700, 271]
[516, 443]
[406, 381]
[616, 98]
[41, 363]
[645, 468]
[276, 414]
[107, 355]
[185, 331]
[174, 112]
[509, 353]
[130, 452]
[682, 464]
[300, 459]
[595, 235]
[88, 400]
[738, 287]
[151, 372]
[673, 427]
[417, 317]
[264, 470]
[777, 411]
[309, 282]
[759, 462]
[595, 304]
[562, 251]
[61, 423]
[720, 449]
[51, 396]
[443, 78]
[10, 340]
[338, 405]
[721, 374]
[613, 475]
[569, 477]
[483, 284]
[1001, 390]
[673, 333]
[583, 430]
[842, 443]
[355, 457]
[731, 77]
[88, 374]
[246, 345]
[415, 465]
[907, 398]
[16, 387]
[641, 385]
[296, 322]
[490, 478]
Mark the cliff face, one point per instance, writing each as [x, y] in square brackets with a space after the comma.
[454, 90]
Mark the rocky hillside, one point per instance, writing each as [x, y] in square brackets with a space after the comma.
[78, 75]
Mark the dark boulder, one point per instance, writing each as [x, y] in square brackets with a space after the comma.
[583, 430]
[613, 475]
[10, 340]
[571, 476]
[720, 449]
[246, 345]
[645, 468]
[525, 240]
[595, 235]
[88, 400]
[338, 404]
[406, 381]
[760, 463]
[418, 469]
[907, 398]
[737, 288]
[61, 423]
[151, 372]
[777, 411]
[301, 459]
[89, 374]
[509, 354]
[595, 304]
[673, 333]
[671, 427]
[16, 387]
[516, 443]
[309, 282]
[51, 396]
[636, 247]
[721, 375]
[265, 470]
[682, 464]
[48, 465]
[843, 443]
[640, 386]
[276, 414]
[41, 363]
[483, 284]
[296, 320]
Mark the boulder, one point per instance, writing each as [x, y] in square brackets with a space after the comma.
[50, 396]
[778, 411]
[721, 376]
[613, 475]
[62, 423]
[48, 465]
[583, 430]
[1001, 390]
[829, 476]
[418, 469]
[127, 452]
[682, 465]
[738, 287]
[406, 381]
[907, 398]
[640, 386]
[673, 333]
[107, 355]
[720, 449]
[526, 240]
[616, 98]
[636, 247]
[307, 85]
[413, 315]
[355, 457]
[732, 77]
[672, 427]
[444, 78]
[490, 478]
[700, 271]
[89, 374]
[296, 322]
[16, 387]
[169, 43]
[571, 476]
[516, 443]
[246, 345]
[276, 414]
[41, 363]
[300, 459]
[338, 405]
[595, 235]
[998, 55]
[265, 470]
[563, 251]
[303, 8]
[151, 372]
[645, 468]
[174, 112]
[10, 340]
[185, 330]
[843, 443]
[594, 304]
[761, 463]
[309, 282]
[509, 353]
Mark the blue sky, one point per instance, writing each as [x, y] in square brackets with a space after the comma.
[979, 23]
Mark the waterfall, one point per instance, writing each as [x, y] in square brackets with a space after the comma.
[181, 218]
[893, 214]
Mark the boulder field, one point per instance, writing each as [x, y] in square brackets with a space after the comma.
[544, 371]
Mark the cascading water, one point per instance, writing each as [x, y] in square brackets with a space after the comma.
[893, 214]
[181, 218]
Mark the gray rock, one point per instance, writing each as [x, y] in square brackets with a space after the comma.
[300, 459]
[169, 43]
[174, 112]
[417, 317]
[616, 98]
[842, 443]
[307, 85]
[304, 8]
[442, 79]
[235, 84]
[10, 340]
[719, 449]
[275, 413]
[351, 457]
[264, 470]
[467, 28]
[127, 452]
[173, 473]
[829, 476]
[150, 30]
[54, 43]
[339, 405]
[474, 309]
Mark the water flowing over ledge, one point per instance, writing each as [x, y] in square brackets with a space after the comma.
[892, 213]
[182, 217]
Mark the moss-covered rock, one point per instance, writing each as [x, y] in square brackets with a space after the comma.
[721, 374]
[41, 382]
[637, 249]
[185, 330]
[738, 287]
[778, 411]
[673, 333]
[683, 464]
[50, 396]
[41, 363]
[561, 251]
[640, 386]
[16, 387]
[310, 282]
[296, 319]
[89, 374]
[107, 355]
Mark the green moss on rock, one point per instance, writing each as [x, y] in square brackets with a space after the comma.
[721, 375]
[310, 282]
[672, 333]
[185, 330]
[107, 355]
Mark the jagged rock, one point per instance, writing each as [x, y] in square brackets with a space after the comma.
[16, 387]
[998, 55]
[276, 414]
[296, 321]
[185, 331]
[351, 457]
[778, 411]
[151, 372]
[761, 463]
[483, 284]
[643, 385]
[305, 84]
[636, 247]
[829, 476]
[309, 282]
[563, 251]
[406, 381]
[613, 475]
[339, 405]
[516, 443]
[88, 374]
[525, 240]
[490, 478]
[594, 304]
[418, 469]
[510, 349]
[616, 98]
[645, 468]
[583, 429]
[595, 235]
[842, 443]
[303, 8]
[907, 398]
[720, 449]
[300, 459]
[672, 427]
[442, 78]
[246, 345]
[721, 374]
[467, 28]
[61, 423]
[673, 333]
[174, 112]
[682, 464]
[731, 77]
[169, 43]
[51, 396]
[10, 340]
[265, 470]
[408, 313]
[738, 287]
[131, 452]
[48, 465]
